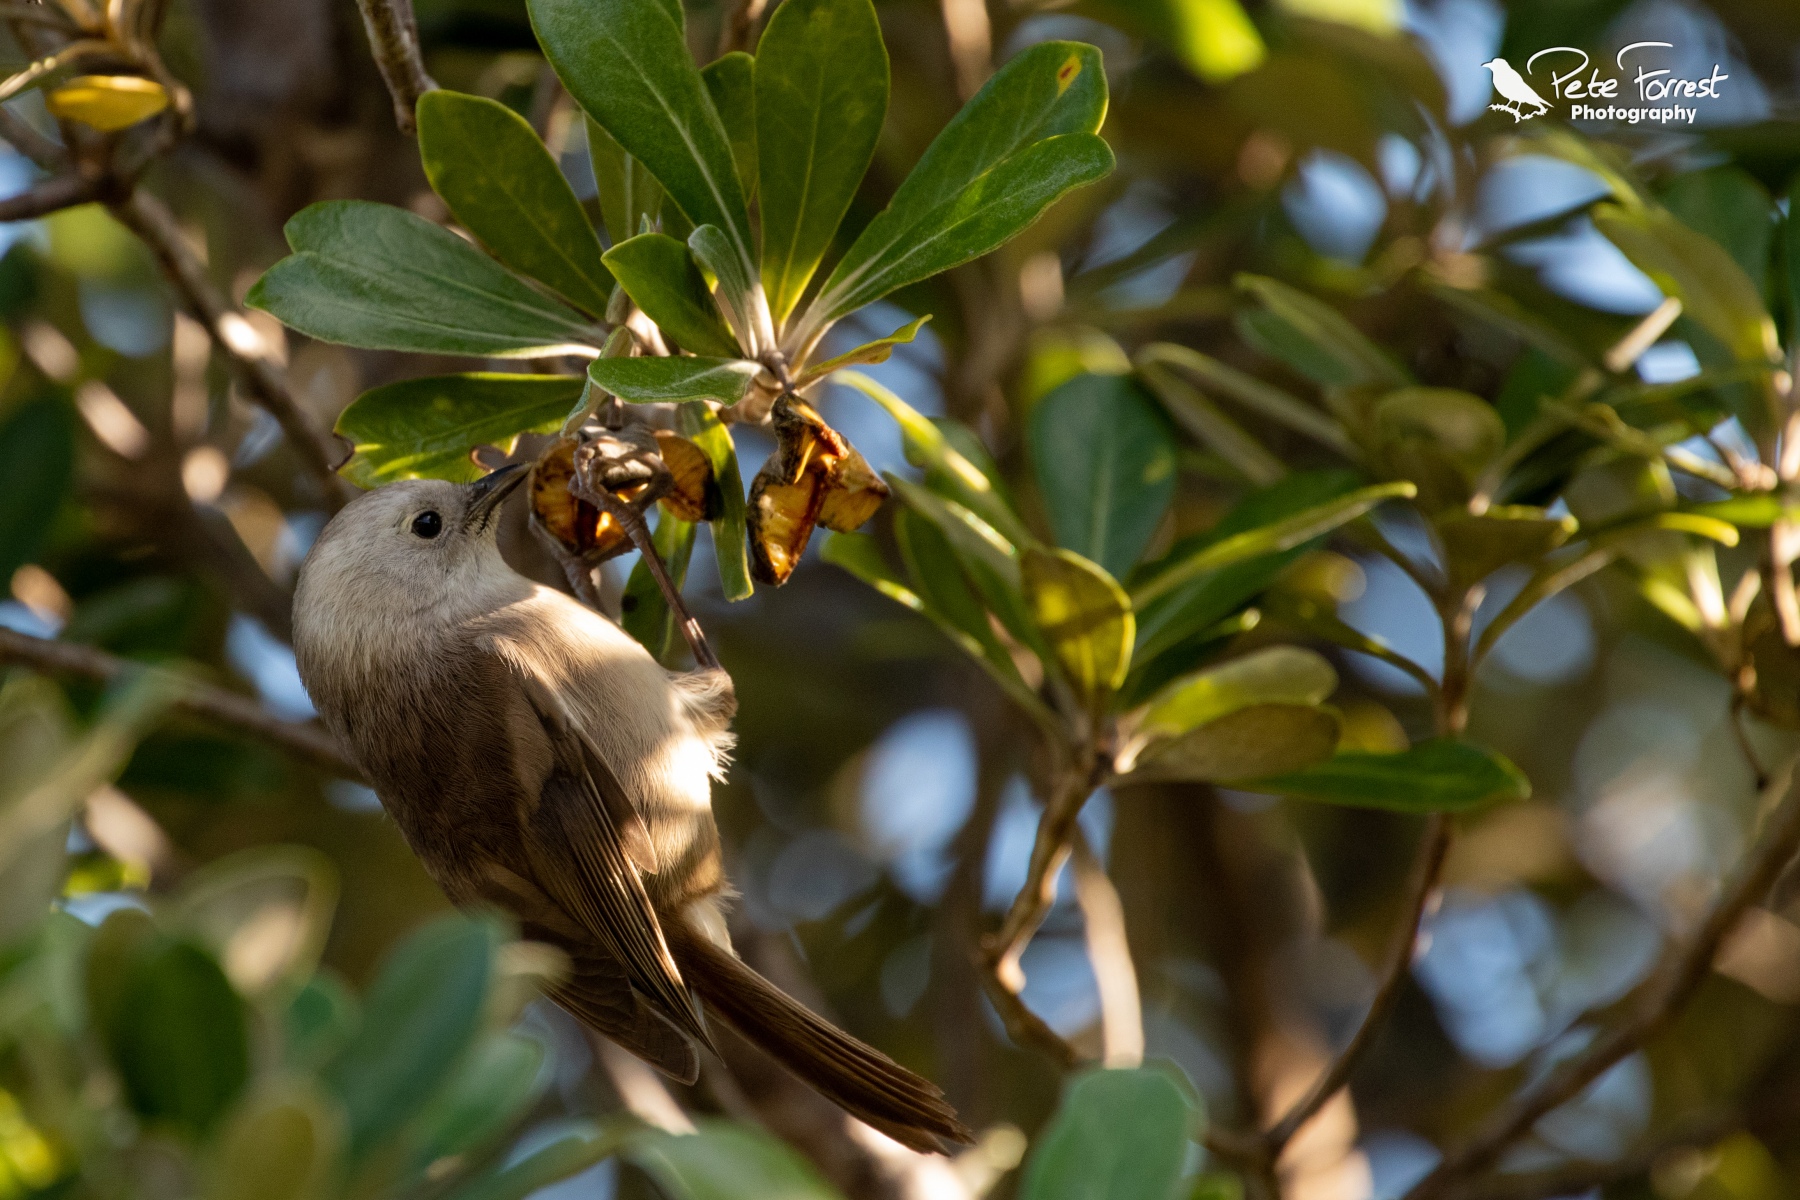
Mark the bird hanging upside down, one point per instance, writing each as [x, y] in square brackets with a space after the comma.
[537, 758]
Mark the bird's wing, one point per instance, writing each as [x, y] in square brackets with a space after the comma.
[578, 855]
[597, 989]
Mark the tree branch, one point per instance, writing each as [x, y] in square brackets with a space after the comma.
[394, 41]
[263, 379]
[308, 742]
[1427, 865]
[53, 194]
[1658, 1001]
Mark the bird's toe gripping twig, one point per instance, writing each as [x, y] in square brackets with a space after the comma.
[611, 462]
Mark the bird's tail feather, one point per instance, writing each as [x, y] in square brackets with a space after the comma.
[853, 1075]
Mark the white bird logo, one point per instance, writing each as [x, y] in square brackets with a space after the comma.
[1512, 85]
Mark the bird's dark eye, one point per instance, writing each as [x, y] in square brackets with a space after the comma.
[428, 525]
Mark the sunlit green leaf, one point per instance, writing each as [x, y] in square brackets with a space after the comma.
[1085, 617]
[725, 1161]
[649, 379]
[1254, 741]
[1441, 775]
[491, 1089]
[821, 94]
[1314, 338]
[501, 182]
[1477, 546]
[877, 351]
[730, 81]
[1022, 141]
[735, 288]
[574, 1147]
[425, 428]
[1274, 675]
[378, 277]
[282, 1145]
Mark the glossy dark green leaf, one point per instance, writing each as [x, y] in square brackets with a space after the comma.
[1191, 609]
[700, 425]
[821, 94]
[736, 290]
[575, 1147]
[1085, 617]
[1118, 1135]
[501, 182]
[1279, 535]
[731, 82]
[659, 274]
[1105, 464]
[1441, 775]
[1728, 205]
[989, 559]
[1025, 139]
[627, 64]
[722, 379]
[627, 191]
[425, 428]
[1477, 546]
[179, 1036]
[1712, 288]
[420, 1017]
[1314, 338]
[877, 351]
[646, 615]
[378, 277]
[938, 582]
[37, 461]
[725, 1161]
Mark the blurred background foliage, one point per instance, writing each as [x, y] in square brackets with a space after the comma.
[246, 986]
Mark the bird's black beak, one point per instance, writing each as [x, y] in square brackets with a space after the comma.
[486, 493]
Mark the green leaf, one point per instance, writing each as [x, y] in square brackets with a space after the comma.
[282, 1145]
[738, 294]
[1441, 775]
[491, 1089]
[1254, 741]
[649, 379]
[1314, 338]
[425, 428]
[877, 351]
[1024, 139]
[1196, 607]
[660, 276]
[1729, 206]
[990, 560]
[378, 277]
[627, 191]
[420, 1017]
[1279, 535]
[627, 64]
[1118, 1135]
[319, 1020]
[577, 1147]
[821, 94]
[939, 585]
[500, 181]
[1690, 266]
[229, 900]
[723, 1161]
[1086, 618]
[1477, 546]
[646, 615]
[1264, 399]
[1439, 438]
[179, 1037]
[1273, 675]
[948, 470]
[731, 83]
[700, 425]
[1105, 464]
[1208, 425]
[37, 461]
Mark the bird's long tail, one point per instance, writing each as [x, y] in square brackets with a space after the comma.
[856, 1077]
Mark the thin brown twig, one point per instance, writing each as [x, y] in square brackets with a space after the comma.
[1428, 864]
[53, 194]
[264, 381]
[308, 742]
[394, 40]
[1579, 1178]
[1657, 1002]
[24, 137]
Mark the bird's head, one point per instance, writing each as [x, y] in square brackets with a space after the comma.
[404, 553]
[1493, 63]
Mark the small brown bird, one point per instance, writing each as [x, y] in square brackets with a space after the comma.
[537, 758]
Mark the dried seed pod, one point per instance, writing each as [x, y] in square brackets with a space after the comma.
[693, 493]
[581, 529]
[814, 476]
